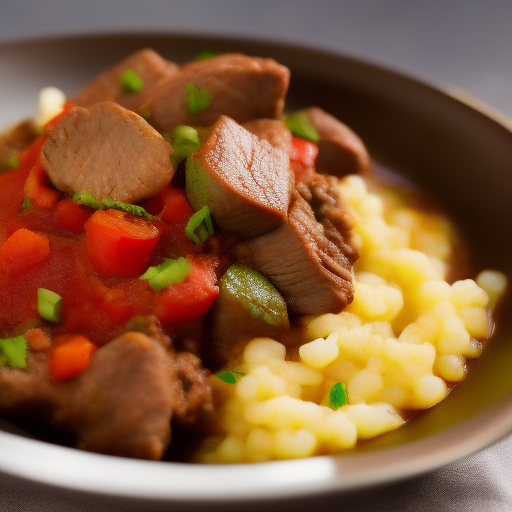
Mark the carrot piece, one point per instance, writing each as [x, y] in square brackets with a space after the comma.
[303, 151]
[118, 243]
[37, 339]
[191, 299]
[71, 358]
[65, 109]
[23, 250]
[71, 216]
[37, 189]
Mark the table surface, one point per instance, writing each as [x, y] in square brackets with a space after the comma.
[466, 44]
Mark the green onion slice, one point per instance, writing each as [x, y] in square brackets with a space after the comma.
[338, 396]
[131, 82]
[128, 208]
[200, 226]
[14, 161]
[300, 126]
[184, 141]
[229, 376]
[13, 351]
[198, 99]
[169, 272]
[49, 305]
[206, 54]
[87, 199]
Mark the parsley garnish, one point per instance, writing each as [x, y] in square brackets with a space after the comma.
[14, 161]
[338, 396]
[300, 126]
[131, 82]
[230, 376]
[198, 99]
[206, 54]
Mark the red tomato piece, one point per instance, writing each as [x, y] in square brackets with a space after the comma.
[118, 243]
[176, 209]
[71, 216]
[71, 358]
[303, 151]
[37, 189]
[191, 299]
[23, 250]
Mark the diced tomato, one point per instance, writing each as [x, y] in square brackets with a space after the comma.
[176, 209]
[29, 156]
[23, 250]
[191, 299]
[71, 358]
[37, 189]
[65, 109]
[303, 151]
[71, 216]
[118, 243]
[171, 205]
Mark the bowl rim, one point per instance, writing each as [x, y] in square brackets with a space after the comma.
[104, 475]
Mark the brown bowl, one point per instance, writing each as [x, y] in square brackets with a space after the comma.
[455, 150]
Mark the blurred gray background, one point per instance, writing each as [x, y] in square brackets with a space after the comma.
[466, 43]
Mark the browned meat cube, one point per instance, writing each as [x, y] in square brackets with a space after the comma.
[340, 150]
[273, 131]
[245, 182]
[123, 402]
[310, 271]
[108, 151]
[147, 64]
[241, 87]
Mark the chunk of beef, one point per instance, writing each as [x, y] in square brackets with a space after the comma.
[322, 194]
[245, 182]
[15, 140]
[193, 399]
[273, 131]
[311, 272]
[109, 152]
[123, 402]
[146, 63]
[29, 391]
[241, 87]
[340, 150]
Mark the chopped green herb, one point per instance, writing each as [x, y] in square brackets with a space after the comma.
[13, 351]
[338, 396]
[49, 305]
[184, 140]
[198, 99]
[200, 222]
[229, 376]
[300, 126]
[25, 205]
[87, 199]
[168, 272]
[14, 161]
[128, 208]
[206, 54]
[131, 82]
